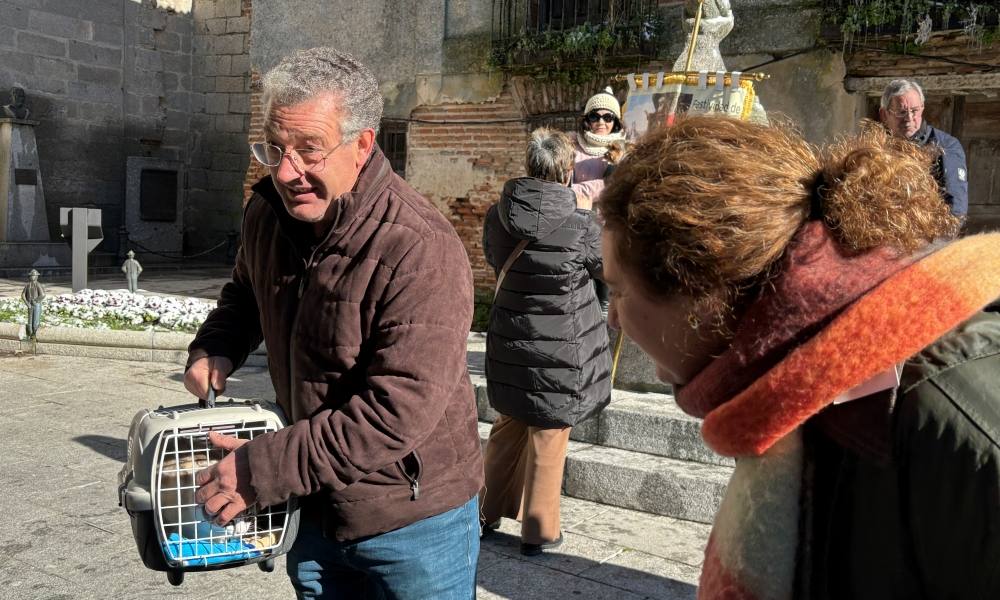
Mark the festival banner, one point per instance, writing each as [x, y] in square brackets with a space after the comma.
[654, 99]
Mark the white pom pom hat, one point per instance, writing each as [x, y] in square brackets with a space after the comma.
[606, 100]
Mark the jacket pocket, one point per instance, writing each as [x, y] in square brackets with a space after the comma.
[411, 468]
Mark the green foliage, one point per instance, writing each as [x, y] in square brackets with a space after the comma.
[855, 17]
[576, 55]
[10, 314]
[481, 311]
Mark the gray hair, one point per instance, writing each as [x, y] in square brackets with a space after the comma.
[550, 155]
[898, 87]
[310, 73]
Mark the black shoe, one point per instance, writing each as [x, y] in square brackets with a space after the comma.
[536, 549]
[489, 528]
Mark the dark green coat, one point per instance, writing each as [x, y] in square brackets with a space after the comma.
[903, 490]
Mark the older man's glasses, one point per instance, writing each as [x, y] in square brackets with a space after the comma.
[303, 159]
[906, 112]
[595, 117]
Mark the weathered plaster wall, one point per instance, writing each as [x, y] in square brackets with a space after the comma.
[808, 90]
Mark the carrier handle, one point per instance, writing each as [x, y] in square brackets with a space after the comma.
[210, 401]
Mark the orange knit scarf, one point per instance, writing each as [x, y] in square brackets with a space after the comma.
[832, 322]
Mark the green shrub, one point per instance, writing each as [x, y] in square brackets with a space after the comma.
[481, 310]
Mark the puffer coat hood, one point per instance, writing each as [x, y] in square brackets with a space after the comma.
[548, 362]
[531, 209]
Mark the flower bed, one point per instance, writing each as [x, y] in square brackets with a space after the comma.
[115, 309]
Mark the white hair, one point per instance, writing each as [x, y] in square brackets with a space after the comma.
[550, 155]
[310, 73]
[898, 87]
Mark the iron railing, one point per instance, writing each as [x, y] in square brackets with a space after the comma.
[527, 31]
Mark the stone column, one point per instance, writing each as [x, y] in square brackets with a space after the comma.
[22, 202]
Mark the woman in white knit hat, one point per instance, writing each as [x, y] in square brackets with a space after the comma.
[600, 127]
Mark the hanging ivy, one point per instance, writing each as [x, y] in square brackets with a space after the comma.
[578, 54]
[914, 20]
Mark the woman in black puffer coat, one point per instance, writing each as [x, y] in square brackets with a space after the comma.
[548, 365]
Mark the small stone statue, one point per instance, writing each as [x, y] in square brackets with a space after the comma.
[16, 109]
[132, 268]
[32, 295]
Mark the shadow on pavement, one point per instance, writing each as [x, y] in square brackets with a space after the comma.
[563, 574]
[111, 447]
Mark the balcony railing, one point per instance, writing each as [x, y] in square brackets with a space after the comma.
[527, 32]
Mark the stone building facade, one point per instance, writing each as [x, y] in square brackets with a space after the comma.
[172, 82]
[465, 124]
[158, 85]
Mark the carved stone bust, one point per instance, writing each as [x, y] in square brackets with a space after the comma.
[17, 108]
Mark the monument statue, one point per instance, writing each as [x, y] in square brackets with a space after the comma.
[716, 23]
[17, 108]
[706, 31]
[32, 295]
[132, 268]
[706, 23]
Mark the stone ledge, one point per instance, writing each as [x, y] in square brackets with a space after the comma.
[95, 337]
[146, 345]
[673, 488]
[648, 423]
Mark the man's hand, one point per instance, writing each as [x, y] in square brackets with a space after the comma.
[208, 370]
[224, 488]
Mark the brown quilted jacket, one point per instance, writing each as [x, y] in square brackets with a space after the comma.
[366, 341]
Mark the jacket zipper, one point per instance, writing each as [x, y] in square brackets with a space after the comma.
[413, 480]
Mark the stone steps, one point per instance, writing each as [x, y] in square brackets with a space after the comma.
[673, 488]
[647, 423]
[641, 453]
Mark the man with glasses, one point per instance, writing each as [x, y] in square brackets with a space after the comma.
[901, 111]
[362, 292]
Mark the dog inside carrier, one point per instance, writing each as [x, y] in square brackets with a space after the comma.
[167, 447]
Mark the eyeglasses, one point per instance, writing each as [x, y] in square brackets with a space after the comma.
[595, 117]
[902, 114]
[303, 159]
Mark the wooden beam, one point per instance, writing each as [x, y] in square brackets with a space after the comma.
[970, 83]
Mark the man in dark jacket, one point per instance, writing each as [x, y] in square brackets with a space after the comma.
[901, 111]
[362, 292]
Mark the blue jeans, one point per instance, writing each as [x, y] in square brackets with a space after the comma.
[434, 558]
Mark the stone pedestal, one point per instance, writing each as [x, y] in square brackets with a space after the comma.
[22, 201]
[636, 371]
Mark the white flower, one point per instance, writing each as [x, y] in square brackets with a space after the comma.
[101, 309]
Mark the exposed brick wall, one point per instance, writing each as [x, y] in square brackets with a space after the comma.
[482, 155]
[256, 134]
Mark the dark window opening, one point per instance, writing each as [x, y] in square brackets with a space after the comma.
[158, 195]
[392, 141]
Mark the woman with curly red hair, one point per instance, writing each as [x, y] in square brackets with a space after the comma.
[809, 305]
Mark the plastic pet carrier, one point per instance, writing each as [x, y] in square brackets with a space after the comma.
[166, 448]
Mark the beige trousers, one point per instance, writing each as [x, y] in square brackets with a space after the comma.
[524, 471]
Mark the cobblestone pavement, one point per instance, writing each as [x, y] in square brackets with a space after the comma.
[66, 421]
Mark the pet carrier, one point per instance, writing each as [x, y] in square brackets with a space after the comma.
[166, 448]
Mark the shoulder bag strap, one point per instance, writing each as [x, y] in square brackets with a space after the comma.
[510, 261]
